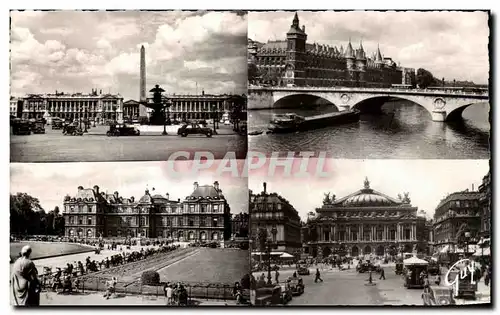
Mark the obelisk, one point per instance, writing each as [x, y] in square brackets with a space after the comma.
[142, 83]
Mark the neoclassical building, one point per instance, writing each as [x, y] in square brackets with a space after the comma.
[364, 222]
[95, 106]
[295, 62]
[203, 215]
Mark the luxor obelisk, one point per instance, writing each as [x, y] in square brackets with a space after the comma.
[142, 83]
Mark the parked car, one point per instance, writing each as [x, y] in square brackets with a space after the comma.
[297, 286]
[39, 127]
[72, 130]
[194, 129]
[21, 127]
[122, 130]
[438, 296]
[57, 124]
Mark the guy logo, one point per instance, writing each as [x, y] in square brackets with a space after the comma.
[464, 267]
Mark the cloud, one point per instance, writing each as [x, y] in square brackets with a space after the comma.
[415, 39]
[81, 50]
[129, 179]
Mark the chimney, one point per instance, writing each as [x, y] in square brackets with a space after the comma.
[96, 189]
[202, 92]
[216, 185]
[80, 187]
[116, 195]
[100, 91]
[265, 187]
[168, 196]
[472, 187]
[303, 28]
[178, 199]
[132, 199]
[195, 185]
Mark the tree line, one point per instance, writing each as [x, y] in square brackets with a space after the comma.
[27, 217]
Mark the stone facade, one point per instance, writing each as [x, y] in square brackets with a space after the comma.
[485, 204]
[99, 107]
[272, 212]
[455, 215]
[363, 223]
[294, 62]
[204, 215]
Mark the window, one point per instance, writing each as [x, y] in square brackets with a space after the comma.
[215, 208]
[89, 221]
[174, 209]
[71, 220]
[128, 220]
[180, 221]
[191, 222]
[214, 222]
[80, 220]
[202, 221]
[191, 209]
[143, 221]
[203, 208]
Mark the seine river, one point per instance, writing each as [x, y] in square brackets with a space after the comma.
[404, 131]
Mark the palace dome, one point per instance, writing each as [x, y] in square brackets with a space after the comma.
[367, 198]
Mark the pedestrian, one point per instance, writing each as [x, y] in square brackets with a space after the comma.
[25, 285]
[276, 276]
[168, 294]
[382, 274]
[438, 280]
[318, 276]
[487, 277]
[295, 274]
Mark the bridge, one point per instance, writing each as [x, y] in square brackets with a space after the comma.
[442, 105]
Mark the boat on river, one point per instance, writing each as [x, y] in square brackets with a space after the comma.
[291, 122]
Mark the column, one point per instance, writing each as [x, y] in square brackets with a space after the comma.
[348, 233]
[318, 231]
[360, 232]
[334, 232]
[332, 236]
[414, 229]
[385, 233]
[398, 238]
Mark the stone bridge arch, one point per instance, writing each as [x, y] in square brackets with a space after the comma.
[279, 98]
[456, 113]
[372, 103]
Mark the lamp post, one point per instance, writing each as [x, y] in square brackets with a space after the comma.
[213, 116]
[114, 113]
[268, 247]
[166, 116]
[80, 117]
[482, 247]
[467, 239]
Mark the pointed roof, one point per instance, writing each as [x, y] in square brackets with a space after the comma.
[295, 28]
[378, 57]
[205, 191]
[349, 52]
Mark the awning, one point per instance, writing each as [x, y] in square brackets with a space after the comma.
[415, 261]
[286, 255]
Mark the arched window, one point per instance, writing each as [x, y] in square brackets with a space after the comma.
[215, 236]
[203, 236]
[89, 233]
[191, 236]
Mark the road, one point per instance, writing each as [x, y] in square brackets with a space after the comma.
[95, 146]
[348, 287]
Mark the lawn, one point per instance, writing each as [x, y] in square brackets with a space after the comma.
[42, 250]
[208, 266]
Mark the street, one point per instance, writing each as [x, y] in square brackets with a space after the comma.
[95, 146]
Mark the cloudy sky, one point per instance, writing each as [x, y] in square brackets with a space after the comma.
[50, 182]
[427, 181]
[453, 45]
[76, 51]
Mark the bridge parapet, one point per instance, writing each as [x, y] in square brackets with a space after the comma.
[482, 95]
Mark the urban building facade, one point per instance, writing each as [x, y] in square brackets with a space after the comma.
[131, 109]
[94, 106]
[275, 214]
[485, 204]
[240, 225]
[294, 62]
[363, 223]
[204, 215]
[13, 106]
[457, 216]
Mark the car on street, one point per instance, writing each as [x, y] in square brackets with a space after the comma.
[194, 129]
[303, 271]
[296, 285]
[21, 127]
[122, 130]
[438, 296]
[286, 293]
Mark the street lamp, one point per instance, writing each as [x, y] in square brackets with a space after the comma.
[114, 113]
[482, 247]
[86, 118]
[214, 107]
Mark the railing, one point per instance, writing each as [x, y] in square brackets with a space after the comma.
[206, 291]
[375, 90]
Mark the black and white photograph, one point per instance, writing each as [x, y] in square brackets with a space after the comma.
[370, 84]
[126, 85]
[378, 232]
[126, 234]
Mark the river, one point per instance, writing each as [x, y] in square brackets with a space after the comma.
[403, 131]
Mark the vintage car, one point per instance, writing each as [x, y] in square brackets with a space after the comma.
[122, 130]
[303, 271]
[399, 268]
[297, 286]
[438, 296]
[366, 267]
[194, 129]
[286, 293]
[21, 127]
[72, 130]
[268, 296]
[57, 124]
[39, 127]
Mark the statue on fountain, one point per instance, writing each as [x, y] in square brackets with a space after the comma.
[158, 117]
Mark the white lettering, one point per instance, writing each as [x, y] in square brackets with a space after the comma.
[321, 165]
[304, 164]
[461, 274]
[197, 161]
[286, 163]
[233, 165]
[249, 165]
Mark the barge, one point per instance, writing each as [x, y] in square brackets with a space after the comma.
[291, 122]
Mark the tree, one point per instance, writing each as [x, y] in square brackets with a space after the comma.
[23, 214]
[237, 110]
[424, 78]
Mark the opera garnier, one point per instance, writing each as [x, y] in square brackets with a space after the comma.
[366, 222]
